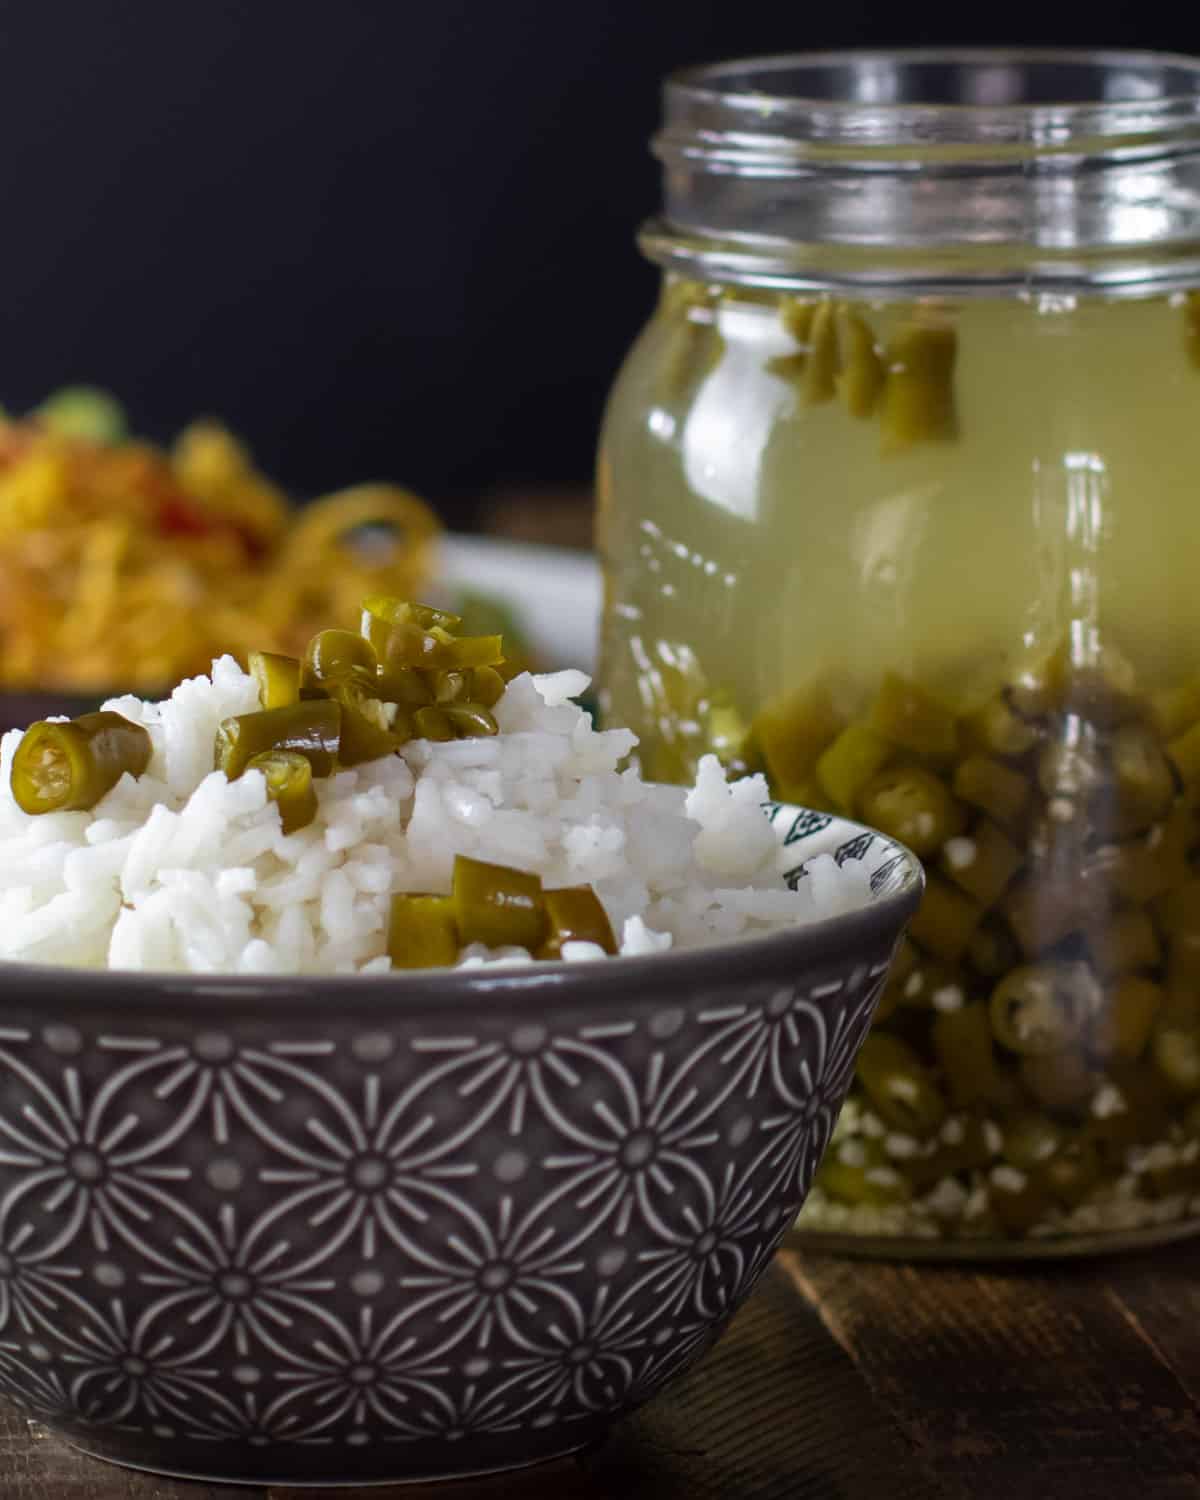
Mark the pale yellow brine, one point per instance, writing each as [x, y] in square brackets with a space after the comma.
[800, 487]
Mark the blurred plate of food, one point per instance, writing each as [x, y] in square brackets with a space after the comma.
[125, 566]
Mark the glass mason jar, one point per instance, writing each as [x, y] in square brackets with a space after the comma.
[899, 502]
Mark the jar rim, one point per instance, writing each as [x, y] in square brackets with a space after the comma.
[908, 167]
[1167, 82]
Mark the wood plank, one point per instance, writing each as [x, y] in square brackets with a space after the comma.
[1000, 1375]
[1159, 1296]
[561, 1480]
[776, 1412]
[34, 1465]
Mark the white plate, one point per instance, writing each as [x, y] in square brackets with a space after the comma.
[553, 593]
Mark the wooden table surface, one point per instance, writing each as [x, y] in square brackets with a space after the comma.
[845, 1379]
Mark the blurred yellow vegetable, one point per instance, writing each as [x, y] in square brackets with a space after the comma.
[124, 566]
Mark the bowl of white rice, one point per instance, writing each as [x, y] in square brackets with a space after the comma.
[273, 1210]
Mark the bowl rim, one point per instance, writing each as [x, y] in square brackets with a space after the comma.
[618, 980]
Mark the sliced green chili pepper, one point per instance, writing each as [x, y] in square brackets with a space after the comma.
[1175, 1048]
[910, 717]
[1042, 1008]
[469, 720]
[1123, 941]
[289, 781]
[444, 699]
[1144, 785]
[992, 786]
[575, 914]
[850, 763]
[1071, 1173]
[1175, 709]
[432, 724]
[310, 728]
[792, 732]
[422, 932]
[969, 1153]
[1061, 1082]
[487, 686]
[929, 977]
[1132, 872]
[992, 950]
[1042, 912]
[918, 395]
[404, 685]
[874, 1181]
[962, 1040]
[277, 678]
[408, 645]
[1017, 1200]
[332, 655]
[1144, 1118]
[899, 1086]
[984, 864]
[498, 906]
[389, 623]
[998, 730]
[451, 685]
[862, 376]
[912, 805]
[1036, 689]
[1031, 1138]
[393, 611]
[365, 733]
[796, 314]
[1123, 1026]
[70, 767]
[820, 369]
[945, 920]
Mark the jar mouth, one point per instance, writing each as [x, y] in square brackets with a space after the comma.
[936, 96]
[911, 169]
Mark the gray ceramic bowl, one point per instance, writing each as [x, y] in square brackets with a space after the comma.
[352, 1230]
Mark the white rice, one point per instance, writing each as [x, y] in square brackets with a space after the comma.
[184, 870]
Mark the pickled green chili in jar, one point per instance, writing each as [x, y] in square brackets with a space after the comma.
[899, 504]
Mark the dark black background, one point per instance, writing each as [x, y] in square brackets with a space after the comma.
[380, 239]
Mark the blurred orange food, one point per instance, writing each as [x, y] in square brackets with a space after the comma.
[126, 566]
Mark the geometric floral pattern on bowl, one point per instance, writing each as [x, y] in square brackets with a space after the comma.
[368, 1243]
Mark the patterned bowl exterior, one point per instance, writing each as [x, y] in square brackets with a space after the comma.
[366, 1229]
